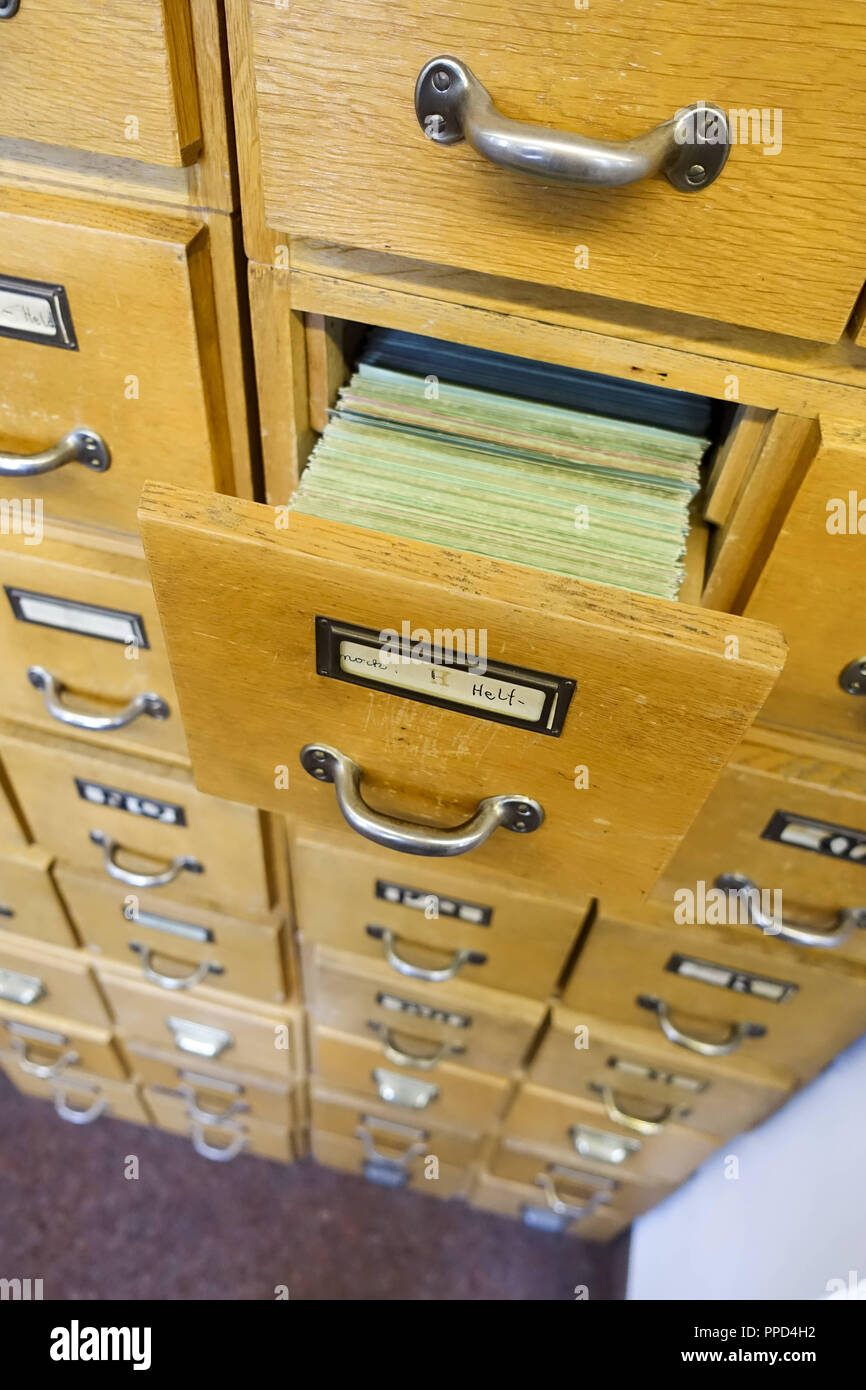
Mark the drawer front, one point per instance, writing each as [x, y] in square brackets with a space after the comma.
[124, 348]
[822, 536]
[80, 1099]
[610, 74]
[219, 1142]
[453, 1095]
[791, 830]
[217, 1093]
[389, 1137]
[711, 994]
[413, 1020]
[141, 57]
[153, 831]
[656, 670]
[582, 1129]
[571, 1186]
[639, 1084]
[83, 647]
[56, 1048]
[529, 1204]
[178, 947]
[336, 1151]
[194, 1031]
[49, 981]
[11, 832]
[431, 926]
[29, 902]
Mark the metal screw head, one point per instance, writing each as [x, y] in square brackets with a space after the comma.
[696, 174]
[442, 80]
[853, 678]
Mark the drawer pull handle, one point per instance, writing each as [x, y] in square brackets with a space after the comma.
[459, 958]
[79, 446]
[53, 690]
[201, 1039]
[45, 1071]
[111, 849]
[627, 1120]
[73, 1114]
[691, 149]
[217, 1153]
[558, 1204]
[203, 1116]
[737, 1033]
[8, 8]
[847, 920]
[327, 764]
[421, 1061]
[416, 1147]
[156, 977]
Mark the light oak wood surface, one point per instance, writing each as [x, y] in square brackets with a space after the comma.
[119, 1100]
[66, 985]
[213, 1087]
[29, 902]
[67, 1045]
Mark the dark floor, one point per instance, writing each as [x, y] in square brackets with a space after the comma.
[189, 1229]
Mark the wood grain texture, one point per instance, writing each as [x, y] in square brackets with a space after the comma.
[223, 837]
[12, 832]
[733, 461]
[335, 881]
[608, 72]
[811, 583]
[141, 59]
[719, 1095]
[29, 902]
[346, 991]
[627, 341]
[100, 676]
[653, 674]
[626, 957]
[279, 345]
[146, 375]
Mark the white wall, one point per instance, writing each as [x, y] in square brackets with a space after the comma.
[792, 1222]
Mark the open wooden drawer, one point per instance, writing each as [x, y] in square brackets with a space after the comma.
[337, 148]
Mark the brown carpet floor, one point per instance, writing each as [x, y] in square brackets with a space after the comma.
[189, 1229]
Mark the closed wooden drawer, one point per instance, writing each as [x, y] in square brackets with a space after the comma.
[710, 992]
[571, 1186]
[11, 831]
[431, 926]
[83, 647]
[47, 979]
[29, 902]
[821, 689]
[582, 1128]
[178, 947]
[412, 1020]
[216, 1092]
[529, 1204]
[80, 1099]
[140, 58]
[219, 1142]
[385, 1135]
[609, 73]
[154, 831]
[789, 828]
[654, 670]
[454, 1095]
[336, 1151]
[109, 326]
[643, 1087]
[195, 1030]
[50, 1047]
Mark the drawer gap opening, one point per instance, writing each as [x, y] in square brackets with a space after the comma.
[610, 481]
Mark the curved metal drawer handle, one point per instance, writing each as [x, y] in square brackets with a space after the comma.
[547, 1182]
[53, 690]
[196, 975]
[459, 958]
[8, 8]
[847, 919]
[737, 1034]
[72, 1114]
[421, 1061]
[203, 1116]
[111, 849]
[629, 1121]
[78, 446]
[217, 1153]
[46, 1071]
[373, 1155]
[327, 764]
[690, 149]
